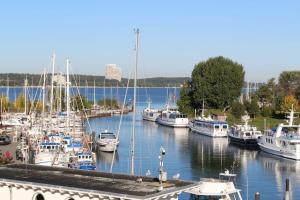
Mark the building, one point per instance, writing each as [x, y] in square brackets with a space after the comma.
[31, 182]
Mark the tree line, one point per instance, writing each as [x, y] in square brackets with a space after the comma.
[217, 83]
[17, 79]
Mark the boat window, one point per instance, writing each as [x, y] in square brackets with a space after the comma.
[216, 126]
[79, 157]
[224, 126]
[39, 197]
[248, 134]
[48, 147]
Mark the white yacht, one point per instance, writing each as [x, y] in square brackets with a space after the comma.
[150, 114]
[173, 118]
[283, 141]
[245, 135]
[209, 127]
[107, 142]
[216, 189]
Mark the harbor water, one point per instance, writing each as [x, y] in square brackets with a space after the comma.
[188, 155]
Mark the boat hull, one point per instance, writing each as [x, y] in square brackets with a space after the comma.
[172, 124]
[278, 152]
[107, 147]
[247, 142]
[210, 134]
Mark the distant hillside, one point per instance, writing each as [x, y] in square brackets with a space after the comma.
[17, 79]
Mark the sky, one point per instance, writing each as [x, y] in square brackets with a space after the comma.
[263, 36]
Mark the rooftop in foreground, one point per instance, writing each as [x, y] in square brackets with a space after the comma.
[91, 181]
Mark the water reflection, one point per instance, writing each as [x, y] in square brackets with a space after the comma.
[279, 169]
[194, 156]
[105, 158]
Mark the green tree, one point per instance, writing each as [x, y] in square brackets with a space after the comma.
[266, 111]
[288, 82]
[4, 102]
[237, 109]
[219, 80]
[109, 103]
[252, 108]
[80, 102]
[184, 102]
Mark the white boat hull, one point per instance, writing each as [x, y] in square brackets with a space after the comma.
[107, 146]
[175, 124]
[278, 152]
[208, 133]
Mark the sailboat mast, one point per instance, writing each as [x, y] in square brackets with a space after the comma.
[94, 93]
[68, 96]
[136, 31]
[7, 89]
[44, 88]
[52, 82]
[25, 96]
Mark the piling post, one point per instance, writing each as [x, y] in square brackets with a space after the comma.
[287, 189]
[257, 196]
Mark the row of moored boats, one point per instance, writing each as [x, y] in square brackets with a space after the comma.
[284, 140]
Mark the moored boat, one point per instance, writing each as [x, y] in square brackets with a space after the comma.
[245, 135]
[107, 142]
[173, 118]
[283, 141]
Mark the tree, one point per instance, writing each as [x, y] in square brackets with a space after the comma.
[109, 103]
[288, 82]
[5, 103]
[20, 103]
[288, 102]
[184, 102]
[218, 80]
[237, 109]
[80, 102]
[252, 108]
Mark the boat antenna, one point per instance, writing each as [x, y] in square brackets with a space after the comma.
[136, 31]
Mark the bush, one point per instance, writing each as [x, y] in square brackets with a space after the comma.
[266, 111]
[237, 110]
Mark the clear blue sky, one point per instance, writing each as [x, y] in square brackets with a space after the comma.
[175, 35]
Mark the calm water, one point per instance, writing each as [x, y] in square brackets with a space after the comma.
[190, 154]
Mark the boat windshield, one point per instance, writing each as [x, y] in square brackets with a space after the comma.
[108, 136]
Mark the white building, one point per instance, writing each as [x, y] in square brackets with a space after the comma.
[31, 182]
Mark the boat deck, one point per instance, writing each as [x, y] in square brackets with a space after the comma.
[97, 182]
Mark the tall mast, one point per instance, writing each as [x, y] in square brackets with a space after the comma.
[136, 31]
[68, 96]
[25, 96]
[7, 89]
[44, 87]
[60, 94]
[94, 93]
[52, 82]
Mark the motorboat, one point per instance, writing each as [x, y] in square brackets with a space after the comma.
[245, 134]
[282, 141]
[150, 114]
[173, 118]
[107, 141]
[216, 189]
[209, 127]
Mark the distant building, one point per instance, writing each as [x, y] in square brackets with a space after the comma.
[221, 116]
